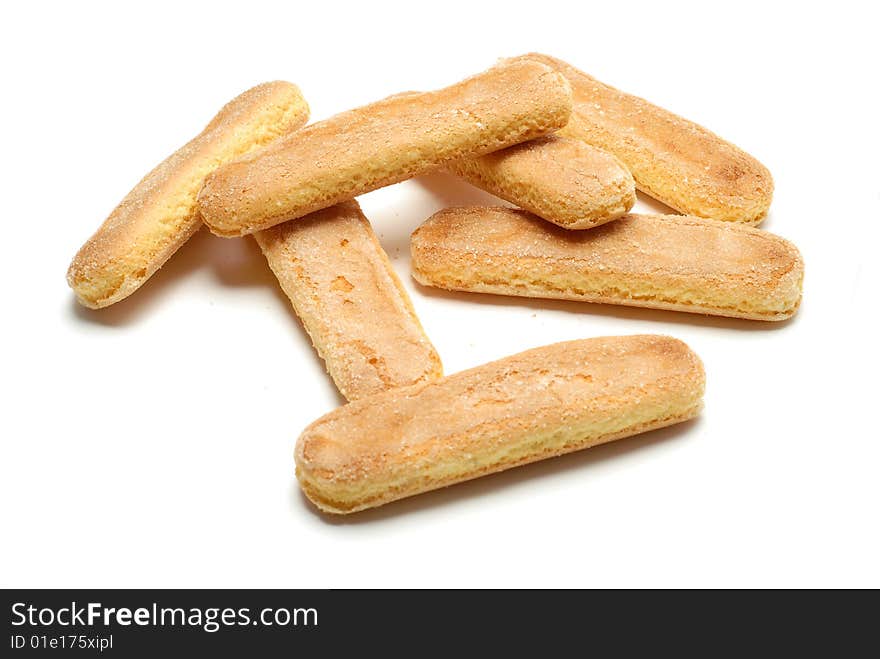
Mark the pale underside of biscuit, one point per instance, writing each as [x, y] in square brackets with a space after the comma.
[527, 407]
[161, 212]
[564, 181]
[350, 301]
[682, 164]
[384, 143]
[673, 262]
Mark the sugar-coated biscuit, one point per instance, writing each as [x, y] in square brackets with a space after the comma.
[672, 159]
[675, 262]
[527, 407]
[350, 301]
[160, 213]
[384, 143]
[562, 180]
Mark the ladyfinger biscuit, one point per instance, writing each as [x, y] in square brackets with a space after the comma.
[675, 262]
[527, 407]
[350, 301]
[161, 213]
[384, 143]
[672, 159]
[564, 181]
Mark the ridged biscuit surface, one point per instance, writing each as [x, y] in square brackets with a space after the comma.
[384, 143]
[350, 301]
[160, 213]
[674, 262]
[672, 159]
[527, 407]
[564, 181]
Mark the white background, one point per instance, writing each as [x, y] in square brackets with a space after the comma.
[150, 444]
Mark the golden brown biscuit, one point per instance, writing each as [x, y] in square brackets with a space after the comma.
[160, 213]
[672, 262]
[384, 143]
[672, 159]
[350, 301]
[527, 407]
[564, 181]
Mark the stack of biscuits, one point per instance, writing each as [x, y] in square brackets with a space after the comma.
[569, 152]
